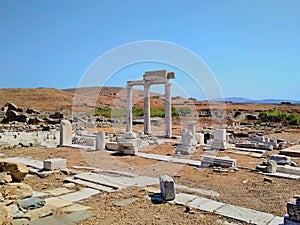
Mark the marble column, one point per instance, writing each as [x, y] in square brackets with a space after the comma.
[168, 111]
[129, 109]
[192, 127]
[147, 129]
[100, 141]
[65, 133]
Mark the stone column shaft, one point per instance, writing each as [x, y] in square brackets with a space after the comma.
[192, 127]
[168, 111]
[129, 109]
[147, 129]
[100, 141]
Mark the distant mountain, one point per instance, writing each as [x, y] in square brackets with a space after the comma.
[262, 101]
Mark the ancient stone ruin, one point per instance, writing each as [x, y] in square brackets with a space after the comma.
[151, 78]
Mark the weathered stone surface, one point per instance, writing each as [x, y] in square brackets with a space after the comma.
[74, 208]
[5, 178]
[65, 133]
[112, 146]
[280, 159]
[69, 219]
[38, 213]
[17, 213]
[18, 171]
[80, 195]
[272, 166]
[243, 214]
[100, 141]
[56, 203]
[167, 187]
[31, 203]
[55, 164]
[224, 161]
[12, 115]
[59, 191]
[6, 216]
[205, 204]
[183, 199]
[22, 221]
[14, 191]
[11, 106]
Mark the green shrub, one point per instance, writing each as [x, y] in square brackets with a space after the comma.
[117, 113]
[184, 111]
[280, 117]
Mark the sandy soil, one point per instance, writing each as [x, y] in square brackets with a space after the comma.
[242, 188]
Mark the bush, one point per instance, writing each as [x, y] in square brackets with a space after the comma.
[185, 111]
[280, 117]
[117, 113]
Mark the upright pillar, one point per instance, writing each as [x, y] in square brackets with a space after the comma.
[147, 129]
[129, 109]
[100, 141]
[168, 111]
[65, 133]
[192, 127]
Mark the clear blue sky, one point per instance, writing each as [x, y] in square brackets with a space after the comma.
[252, 46]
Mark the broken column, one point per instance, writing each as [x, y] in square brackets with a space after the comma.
[219, 142]
[167, 187]
[65, 133]
[187, 144]
[192, 127]
[272, 166]
[100, 141]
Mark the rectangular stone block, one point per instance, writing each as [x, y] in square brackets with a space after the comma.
[130, 135]
[220, 135]
[151, 75]
[246, 145]
[167, 187]
[113, 146]
[55, 164]
[218, 161]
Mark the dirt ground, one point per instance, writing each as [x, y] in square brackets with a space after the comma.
[242, 188]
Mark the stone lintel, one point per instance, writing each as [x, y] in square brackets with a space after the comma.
[157, 81]
[136, 82]
[152, 75]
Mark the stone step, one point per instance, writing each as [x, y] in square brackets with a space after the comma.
[117, 182]
[218, 161]
[27, 161]
[80, 195]
[98, 187]
[246, 215]
[100, 179]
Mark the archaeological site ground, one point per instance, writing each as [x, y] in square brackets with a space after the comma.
[138, 157]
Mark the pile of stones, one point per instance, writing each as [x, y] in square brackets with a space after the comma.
[16, 201]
